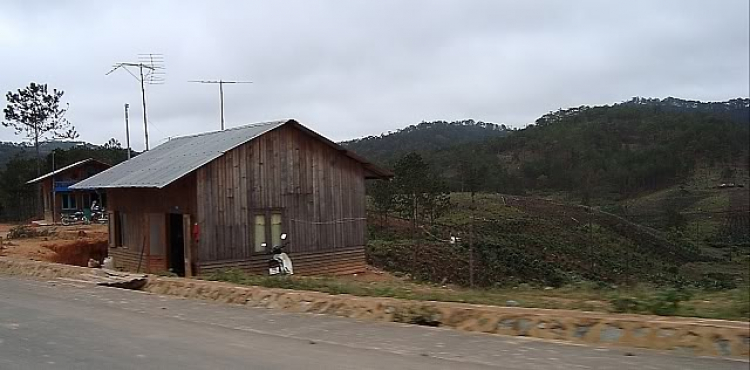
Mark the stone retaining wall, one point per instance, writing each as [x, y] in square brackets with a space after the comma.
[682, 335]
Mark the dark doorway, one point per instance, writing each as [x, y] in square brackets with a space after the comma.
[176, 245]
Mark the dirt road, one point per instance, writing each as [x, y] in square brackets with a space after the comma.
[68, 325]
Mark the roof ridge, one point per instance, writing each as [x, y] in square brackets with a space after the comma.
[61, 169]
[245, 126]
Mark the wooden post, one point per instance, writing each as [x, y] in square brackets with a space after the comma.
[471, 243]
[111, 230]
[471, 253]
[187, 238]
[140, 258]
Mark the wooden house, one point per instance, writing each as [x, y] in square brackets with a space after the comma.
[211, 201]
[59, 198]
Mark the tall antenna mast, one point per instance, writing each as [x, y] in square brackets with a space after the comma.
[127, 129]
[150, 71]
[221, 92]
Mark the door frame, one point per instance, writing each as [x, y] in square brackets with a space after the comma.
[187, 244]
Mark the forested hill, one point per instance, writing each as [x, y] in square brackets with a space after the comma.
[424, 137]
[737, 110]
[9, 150]
[613, 150]
[641, 144]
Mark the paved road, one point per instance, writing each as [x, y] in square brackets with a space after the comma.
[67, 325]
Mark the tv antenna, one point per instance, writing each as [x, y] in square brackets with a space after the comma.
[221, 92]
[150, 70]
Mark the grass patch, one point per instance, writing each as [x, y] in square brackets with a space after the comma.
[731, 305]
[716, 201]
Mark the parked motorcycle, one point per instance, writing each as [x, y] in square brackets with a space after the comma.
[98, 214]
[280, 263]
[77, 217]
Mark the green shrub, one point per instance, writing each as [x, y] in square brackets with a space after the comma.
[626, 305]
[716, 281]
[663, 303]
[667, 303]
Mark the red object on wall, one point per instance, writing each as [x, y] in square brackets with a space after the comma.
[196, 232]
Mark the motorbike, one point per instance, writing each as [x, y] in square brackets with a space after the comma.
[280, 263]
[77, 217]
[98, 214]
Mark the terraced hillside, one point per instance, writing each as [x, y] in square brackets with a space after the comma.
[531, 240]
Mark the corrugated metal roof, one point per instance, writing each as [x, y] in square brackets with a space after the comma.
[174, 159]
[55, 172]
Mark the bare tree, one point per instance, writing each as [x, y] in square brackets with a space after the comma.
[36, 114]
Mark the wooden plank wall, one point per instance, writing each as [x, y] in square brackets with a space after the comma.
[320, 190]
[138, 205]
[127, 259]
[340, 261]
[178, 197]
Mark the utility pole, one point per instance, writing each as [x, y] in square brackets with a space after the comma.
[143, 97]
[221, 97]
[154, 74]
[54, 190]
[221, 93]
[127, 129]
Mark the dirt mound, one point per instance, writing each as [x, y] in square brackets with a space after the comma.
[37, 242]
[78, 252]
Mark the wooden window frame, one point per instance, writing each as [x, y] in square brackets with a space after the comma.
[119, 229]
[267, 214]
[112, 229]
[71, 199]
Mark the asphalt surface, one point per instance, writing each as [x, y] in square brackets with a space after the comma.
[69, 325]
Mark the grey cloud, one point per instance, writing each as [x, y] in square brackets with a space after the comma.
[355, 68]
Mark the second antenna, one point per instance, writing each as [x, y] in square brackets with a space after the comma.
[221, 92]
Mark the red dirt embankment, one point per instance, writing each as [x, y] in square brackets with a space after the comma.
[78, 252]
[73, 245]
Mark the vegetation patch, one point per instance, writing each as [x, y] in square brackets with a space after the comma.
[26, 231]
[643, 299]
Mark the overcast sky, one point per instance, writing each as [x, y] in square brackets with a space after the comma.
[355, 68]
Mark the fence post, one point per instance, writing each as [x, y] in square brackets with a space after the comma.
[471, 243]
[471, 254]
[414, 238]
[591, 239]
[627, 269]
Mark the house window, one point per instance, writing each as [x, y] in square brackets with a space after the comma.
[275, 229]
[267, 228]
[68, 202]
[87, 198]
[260, 233]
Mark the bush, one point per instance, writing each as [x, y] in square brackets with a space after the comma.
[716, 281]
[626, 305]
[26, 231]
[663, 303]
[667, 303]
